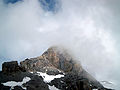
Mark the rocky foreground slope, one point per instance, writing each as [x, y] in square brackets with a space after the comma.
[55, 69]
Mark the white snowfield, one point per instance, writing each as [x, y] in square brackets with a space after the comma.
[52, 87]
[48, 78]
[109, 84]
[12, 84]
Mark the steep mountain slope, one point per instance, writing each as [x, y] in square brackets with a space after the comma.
[55, 67]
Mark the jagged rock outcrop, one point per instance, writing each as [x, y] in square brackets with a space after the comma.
[36, 82]
[10, 67]
[11, 71]
[59, 59]
[55, 58]
[72, 81]
[53, 61]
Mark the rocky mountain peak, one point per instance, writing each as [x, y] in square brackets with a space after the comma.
[54, 57]
[53, 64]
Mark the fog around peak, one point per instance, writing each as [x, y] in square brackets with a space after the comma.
[89, 29]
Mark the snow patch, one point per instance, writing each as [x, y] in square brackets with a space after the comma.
[12, 84]
[48, 78]
[107, 84]
[52, 87]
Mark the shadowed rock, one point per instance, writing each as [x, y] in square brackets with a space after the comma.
[11, 67]
[18, 88]
[54, 61]
[36, 84]
[2, 87]
[59, 59]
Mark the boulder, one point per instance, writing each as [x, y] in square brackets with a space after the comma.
[36, 83]
[10, 67]
[18, 88]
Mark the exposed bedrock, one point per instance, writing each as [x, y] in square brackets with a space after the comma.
[54, 61]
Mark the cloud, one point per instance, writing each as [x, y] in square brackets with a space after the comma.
[83, 26]
[11, 1]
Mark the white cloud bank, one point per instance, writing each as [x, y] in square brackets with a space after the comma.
[86, 27]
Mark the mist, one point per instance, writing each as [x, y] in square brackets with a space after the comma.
[88, 28]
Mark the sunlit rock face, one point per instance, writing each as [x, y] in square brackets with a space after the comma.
[62, 59]
[55, 58]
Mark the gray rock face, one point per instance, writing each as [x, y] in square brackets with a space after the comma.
[53, 61]
[58, 59]
[53, 58]
[18, 88]
[72, 81]
[36, 84]
[10, 67]
[61, 59]
[35, 64]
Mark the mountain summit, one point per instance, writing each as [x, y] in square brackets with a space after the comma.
[55, 69]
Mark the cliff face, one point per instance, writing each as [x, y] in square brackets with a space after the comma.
[54, 57]
[54, 61]
[9, 67]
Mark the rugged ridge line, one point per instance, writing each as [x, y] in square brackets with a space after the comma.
[54, 61]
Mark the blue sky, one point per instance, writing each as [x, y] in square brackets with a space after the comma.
[49, 5]
[11, 1]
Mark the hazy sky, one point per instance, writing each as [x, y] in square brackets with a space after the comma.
[88, 28]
